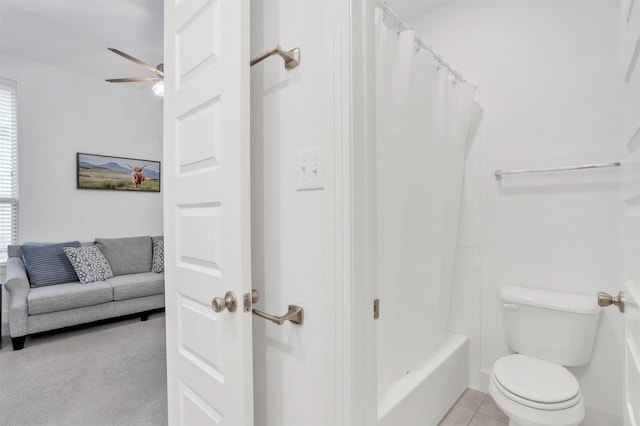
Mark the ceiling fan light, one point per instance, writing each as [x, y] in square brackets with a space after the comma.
[158, 88]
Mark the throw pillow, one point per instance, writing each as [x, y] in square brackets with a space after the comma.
[127, 255]
[158, 256]
[47, 264]
[89, 263]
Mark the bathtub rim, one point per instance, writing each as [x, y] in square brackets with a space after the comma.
[400, 390]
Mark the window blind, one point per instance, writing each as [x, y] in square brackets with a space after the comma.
[8, 166]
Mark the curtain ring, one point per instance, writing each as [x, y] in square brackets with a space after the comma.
[436, 63]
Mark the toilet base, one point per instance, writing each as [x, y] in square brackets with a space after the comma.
[520, 415]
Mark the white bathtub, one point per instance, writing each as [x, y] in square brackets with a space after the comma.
[423, 397]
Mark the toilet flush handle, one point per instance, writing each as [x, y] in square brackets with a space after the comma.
[510, 306]
[605, 299]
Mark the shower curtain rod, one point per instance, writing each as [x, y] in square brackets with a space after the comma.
[402, 26]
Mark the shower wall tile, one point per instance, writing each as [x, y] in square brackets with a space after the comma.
[463, 279]
[465, 236]
[468, 169]
[477, 257]
[461, 322]
[477, 282]
[462, 301]
[465, 309]
[466, 214]
[474, 372]
[476, 236]
[476, 305]
[464, 258]
[474, 347]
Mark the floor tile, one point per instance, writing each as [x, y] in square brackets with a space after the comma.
[490, 409]
[458, 416]
[471, 398]
[483, 420]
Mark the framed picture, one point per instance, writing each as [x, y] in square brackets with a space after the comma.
[117, 173]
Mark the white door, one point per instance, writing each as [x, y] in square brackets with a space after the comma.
[630, 173]
[206, 211]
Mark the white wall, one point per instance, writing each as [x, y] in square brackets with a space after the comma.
[60, 113]
[547, 75]
[290, 112]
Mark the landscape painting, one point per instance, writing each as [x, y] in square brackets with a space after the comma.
[117, 173]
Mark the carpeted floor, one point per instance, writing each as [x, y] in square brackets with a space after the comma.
[109, 374]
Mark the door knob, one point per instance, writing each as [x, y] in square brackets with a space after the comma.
[230, 302]
[605, 299]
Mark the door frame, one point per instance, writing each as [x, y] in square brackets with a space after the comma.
[351, 392]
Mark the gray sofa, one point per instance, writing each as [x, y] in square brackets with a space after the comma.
[133, 289]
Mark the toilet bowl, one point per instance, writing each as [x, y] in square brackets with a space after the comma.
[548, 331]
[534, 392]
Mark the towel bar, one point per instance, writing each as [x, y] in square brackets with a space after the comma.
[500, 173]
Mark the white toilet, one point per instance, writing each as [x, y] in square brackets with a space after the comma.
[547, 330]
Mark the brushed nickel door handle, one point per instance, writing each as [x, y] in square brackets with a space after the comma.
[605, 299]
[229, 302]
[295, 314]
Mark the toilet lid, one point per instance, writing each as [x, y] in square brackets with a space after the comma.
[535, 379]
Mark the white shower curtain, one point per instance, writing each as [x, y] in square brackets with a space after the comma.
[425, 125]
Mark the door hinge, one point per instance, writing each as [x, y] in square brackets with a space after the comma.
[376, 308]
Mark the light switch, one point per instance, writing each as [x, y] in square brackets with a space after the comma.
[310, 170]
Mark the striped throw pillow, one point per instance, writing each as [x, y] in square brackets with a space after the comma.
[48, 264]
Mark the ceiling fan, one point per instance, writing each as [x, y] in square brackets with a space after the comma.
[158, 88]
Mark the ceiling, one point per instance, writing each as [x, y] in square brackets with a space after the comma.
[75, 34]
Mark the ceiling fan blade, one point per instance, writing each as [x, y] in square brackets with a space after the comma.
[133, 80]
[137, 61]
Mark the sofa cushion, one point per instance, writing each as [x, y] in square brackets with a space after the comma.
[127, 255]
[136, 285]
[158, 256]
[68, 296]
[89, 263]
[48, 264]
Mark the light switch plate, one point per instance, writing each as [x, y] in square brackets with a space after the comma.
[310, 169]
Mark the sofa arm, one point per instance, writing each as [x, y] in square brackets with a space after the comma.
[17, 285]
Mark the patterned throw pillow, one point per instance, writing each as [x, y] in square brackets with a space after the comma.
[89, 263]
[158, 256]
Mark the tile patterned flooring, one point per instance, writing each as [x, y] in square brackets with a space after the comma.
[475, 408]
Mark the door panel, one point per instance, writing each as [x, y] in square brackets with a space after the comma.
[207, 212]
[630, 194]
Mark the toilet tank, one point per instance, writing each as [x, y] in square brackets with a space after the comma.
[554, 326]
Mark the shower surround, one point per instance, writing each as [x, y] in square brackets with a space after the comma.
[427, 117]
